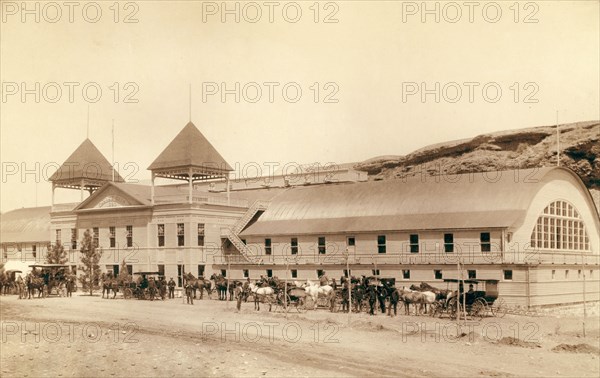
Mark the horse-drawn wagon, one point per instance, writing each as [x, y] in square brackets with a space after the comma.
[51, 279]
[149, 285]
[475, 303]
[294, 298]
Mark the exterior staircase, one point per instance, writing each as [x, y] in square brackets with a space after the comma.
[232, 233]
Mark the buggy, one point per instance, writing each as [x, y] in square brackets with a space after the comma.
[476, 303]
[55, 278]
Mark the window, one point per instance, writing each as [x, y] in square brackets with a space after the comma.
[294, 273]
[129, 269]
[294, 245]
[449, 242]
[96, 237]
[319, 272]
[591, 273]
[508, 275]
[246, 273]
[161, 235]
[321, 246]
[414, 243]
[34, 250]
[161, 270]
[180, 273]
[560, 227]
[224, 272]
[73, 238]
[375, 272]
[269, 273]
[111, 236]
[579, 274]
[201, 234]
[200, 271]
[566, 274]
[180, 234]
[472, 274]
[58, 236]
[437, 274]
[129, 232]
[553, 274]
[381, 244]
[268, 249]
[351, 241]
[346, 273]
[406, 274]
[486, 245]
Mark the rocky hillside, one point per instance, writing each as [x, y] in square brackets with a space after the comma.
[524, 148]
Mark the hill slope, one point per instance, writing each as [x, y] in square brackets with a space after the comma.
[513, 149]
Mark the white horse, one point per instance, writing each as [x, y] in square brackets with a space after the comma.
[314, 291]
[262, 294]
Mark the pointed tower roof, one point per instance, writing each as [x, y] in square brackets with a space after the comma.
[190, 149]
[86, 163]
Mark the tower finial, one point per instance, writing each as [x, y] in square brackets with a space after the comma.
[190, 102]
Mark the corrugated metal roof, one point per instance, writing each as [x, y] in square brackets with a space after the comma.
[190, 148]
[495, 199]
[86, 162]
[26, 225]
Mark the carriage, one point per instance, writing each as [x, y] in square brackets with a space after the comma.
[294, 298]
[55, 278]
[476, 303]
[142, 289]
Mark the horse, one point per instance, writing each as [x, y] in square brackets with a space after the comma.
[21, 289]
[152, 288]
[262, 293]
[221, 287]
[422, 299]
[314, 291]
[108, 284]
[33, 283]
[202, 285]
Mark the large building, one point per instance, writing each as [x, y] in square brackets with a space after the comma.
[535, 231]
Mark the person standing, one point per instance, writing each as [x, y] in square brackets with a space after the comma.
[189, 293]
[171, 285]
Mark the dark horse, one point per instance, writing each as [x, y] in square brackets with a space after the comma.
[198, 284]
[109, 283]
[221, 287]
[33, 282]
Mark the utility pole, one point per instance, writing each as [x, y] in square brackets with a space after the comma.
[349, 282]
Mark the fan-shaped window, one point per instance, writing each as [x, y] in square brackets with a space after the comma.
[560, 227]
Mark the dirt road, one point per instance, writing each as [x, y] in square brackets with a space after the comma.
[91, 336]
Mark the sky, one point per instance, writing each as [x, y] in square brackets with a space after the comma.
[327, 82]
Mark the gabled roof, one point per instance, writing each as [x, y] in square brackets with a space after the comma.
[30, 224]
[86, 162]
[473, 200]
[190, 149]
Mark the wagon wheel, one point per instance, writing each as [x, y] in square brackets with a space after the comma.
[452, 307]
[499, 308]
[301, 305]
[479, 308]
[283, 300]
[309, 303]
[436, 309]
[127, 293]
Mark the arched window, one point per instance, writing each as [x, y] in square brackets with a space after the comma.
[560, 228]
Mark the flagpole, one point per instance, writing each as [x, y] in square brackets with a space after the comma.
[113, 150]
